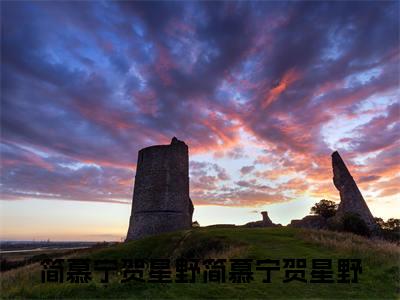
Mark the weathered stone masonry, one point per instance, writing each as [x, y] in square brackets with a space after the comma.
[161, 201]
[351, 200]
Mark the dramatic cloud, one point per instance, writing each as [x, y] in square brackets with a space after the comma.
[262, 92]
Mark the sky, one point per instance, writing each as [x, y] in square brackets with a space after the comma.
[261, 92]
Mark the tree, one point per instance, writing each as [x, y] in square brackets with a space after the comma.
[393, 224]
[390, 230]
[380, 223]
[324, 208]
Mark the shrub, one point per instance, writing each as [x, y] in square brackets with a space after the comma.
[324, 208]
[335, 224]
[352, 222]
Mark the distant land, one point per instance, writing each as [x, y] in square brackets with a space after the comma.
[32, 245]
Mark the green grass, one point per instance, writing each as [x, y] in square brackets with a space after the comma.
[379, 279]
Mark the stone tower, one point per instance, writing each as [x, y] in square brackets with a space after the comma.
[351, 199]
[161, 200]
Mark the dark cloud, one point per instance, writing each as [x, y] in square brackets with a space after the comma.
[369, 178]
[385, 131]
[89, 84]
[246, 169]
[200, 171]
[61, 178]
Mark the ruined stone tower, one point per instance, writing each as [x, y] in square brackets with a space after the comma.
[351, 199]
[161, 200]
[266, 221]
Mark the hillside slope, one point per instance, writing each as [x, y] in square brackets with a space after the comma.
[378, 280]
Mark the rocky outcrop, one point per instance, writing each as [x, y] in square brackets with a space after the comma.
[351, 200]
[161, 200]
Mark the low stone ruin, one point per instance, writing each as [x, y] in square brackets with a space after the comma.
[265, 222]
[311, 222]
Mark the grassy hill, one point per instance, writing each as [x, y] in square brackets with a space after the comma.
[379, 278]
